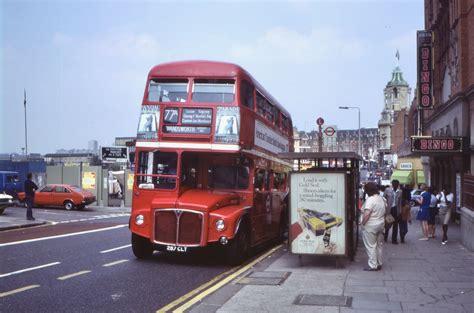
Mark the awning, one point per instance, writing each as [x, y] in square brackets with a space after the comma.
[420, 177]
[404, 177]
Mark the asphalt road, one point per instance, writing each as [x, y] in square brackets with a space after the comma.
[77, 270]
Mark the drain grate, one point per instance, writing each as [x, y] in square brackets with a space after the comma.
[264, 278]
[323, 300]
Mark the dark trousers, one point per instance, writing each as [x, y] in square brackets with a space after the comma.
[403, 228]
[30, 200]
[394, 226]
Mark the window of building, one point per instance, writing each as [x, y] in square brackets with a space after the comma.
[213, 90]
[168, 90]
[395, 93]
[455, 127]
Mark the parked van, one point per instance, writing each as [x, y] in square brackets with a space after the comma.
[10, 183]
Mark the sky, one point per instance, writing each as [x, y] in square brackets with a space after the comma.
[84, 64]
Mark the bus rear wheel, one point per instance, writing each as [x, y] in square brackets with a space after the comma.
[141, 247]
[238, 249]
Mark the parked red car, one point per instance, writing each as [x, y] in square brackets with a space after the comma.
[67, 196]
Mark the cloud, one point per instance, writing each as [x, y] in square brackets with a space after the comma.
[285, 45]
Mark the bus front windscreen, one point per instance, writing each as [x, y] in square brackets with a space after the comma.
[157, 170]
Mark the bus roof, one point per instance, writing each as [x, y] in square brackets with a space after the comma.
[205, 69]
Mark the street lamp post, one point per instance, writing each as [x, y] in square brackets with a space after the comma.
[26, 130]
[359, 142]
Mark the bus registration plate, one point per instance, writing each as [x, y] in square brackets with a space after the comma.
[176, 249]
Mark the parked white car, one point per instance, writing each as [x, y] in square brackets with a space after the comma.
[5, 202]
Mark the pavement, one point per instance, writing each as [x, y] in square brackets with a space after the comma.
[417, 276]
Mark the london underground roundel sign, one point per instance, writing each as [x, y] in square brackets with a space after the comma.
[329, 131]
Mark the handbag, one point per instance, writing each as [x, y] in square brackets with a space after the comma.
[389, 219]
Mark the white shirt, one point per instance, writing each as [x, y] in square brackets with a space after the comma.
[375, 204]
[442, 199]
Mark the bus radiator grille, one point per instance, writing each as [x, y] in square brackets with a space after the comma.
[178, 227]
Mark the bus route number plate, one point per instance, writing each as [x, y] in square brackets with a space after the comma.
[176, 249]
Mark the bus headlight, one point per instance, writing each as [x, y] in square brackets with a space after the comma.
[139, 219]
[220, 225]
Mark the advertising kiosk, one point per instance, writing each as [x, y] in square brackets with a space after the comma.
[323, 211]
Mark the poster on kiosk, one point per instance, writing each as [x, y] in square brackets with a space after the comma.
[317, 213]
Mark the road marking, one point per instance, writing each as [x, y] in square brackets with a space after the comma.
[97, 217]
[73, 275]
[30, 269]
[201, 295]
[115, 249]
[115, 263]
[9, 293]
[62, 236]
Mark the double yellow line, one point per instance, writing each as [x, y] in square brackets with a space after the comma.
[219, 281]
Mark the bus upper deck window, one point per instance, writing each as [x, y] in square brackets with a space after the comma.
[168, 90]
[213, 90]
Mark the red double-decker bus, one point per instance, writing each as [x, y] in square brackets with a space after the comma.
[206, 165]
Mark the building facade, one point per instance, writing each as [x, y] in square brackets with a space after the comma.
[452, 24]
[335, 140]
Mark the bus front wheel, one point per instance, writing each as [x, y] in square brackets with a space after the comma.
[238, 249]
[141, 247]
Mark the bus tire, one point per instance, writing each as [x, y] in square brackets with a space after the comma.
[238, 249]
[141, 247]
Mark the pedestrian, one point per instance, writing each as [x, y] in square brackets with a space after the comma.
[446, 199]
[424, 212]
[405, 213]
[373, 224]
[30, 188]
[393, 195]
[433, 211]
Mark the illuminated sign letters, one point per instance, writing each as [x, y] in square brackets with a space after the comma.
[425, 69]
[442, 144]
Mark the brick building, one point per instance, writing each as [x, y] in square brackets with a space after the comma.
[452, 24]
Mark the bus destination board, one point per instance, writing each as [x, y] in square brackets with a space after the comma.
[196, 117]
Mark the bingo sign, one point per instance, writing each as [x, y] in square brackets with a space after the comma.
[425, 69]
[88, 180]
